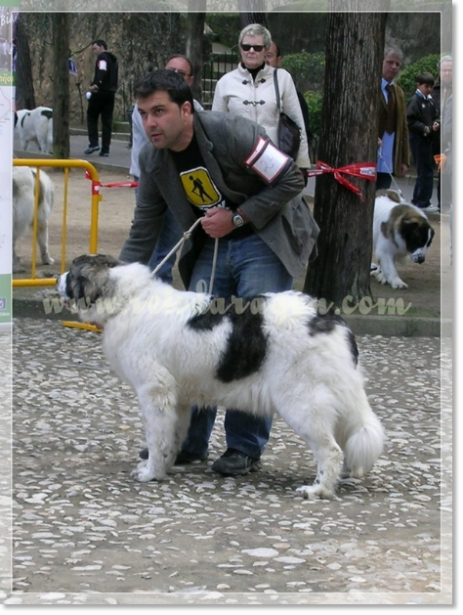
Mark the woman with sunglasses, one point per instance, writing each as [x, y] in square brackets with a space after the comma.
[249, 90]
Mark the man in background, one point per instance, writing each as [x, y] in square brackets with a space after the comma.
[393, 144]
[101, 97]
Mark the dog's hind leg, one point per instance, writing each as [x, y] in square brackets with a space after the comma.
[158, 407]
[328, 457]
[314, 424]
[42, 240]
[46, 198]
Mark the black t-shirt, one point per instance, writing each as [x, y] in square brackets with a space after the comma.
[199, 187]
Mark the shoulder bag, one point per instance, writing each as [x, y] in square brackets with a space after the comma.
[289, 133]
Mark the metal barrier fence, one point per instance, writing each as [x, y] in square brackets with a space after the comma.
[217, 65]
[94, 211]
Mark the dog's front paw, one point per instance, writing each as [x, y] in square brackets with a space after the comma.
[144, 472]
[315, 492]
[378, 275]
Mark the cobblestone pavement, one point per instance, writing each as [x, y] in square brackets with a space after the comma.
[84, 532]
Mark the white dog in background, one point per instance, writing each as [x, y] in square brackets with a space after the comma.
[23, 210]
[275, 353]
[399, 230]
[36, 126]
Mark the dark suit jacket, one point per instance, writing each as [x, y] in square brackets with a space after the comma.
[278, 213]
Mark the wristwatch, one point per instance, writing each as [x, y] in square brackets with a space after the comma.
[237, 220]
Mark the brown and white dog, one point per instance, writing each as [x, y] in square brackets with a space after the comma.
[23, 210]
[399, 229]
[275, 353]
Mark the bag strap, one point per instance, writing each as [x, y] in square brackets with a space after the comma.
[277, 90]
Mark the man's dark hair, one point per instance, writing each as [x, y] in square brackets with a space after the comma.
[167, 81]
[100, 42]
[426, 78]
[180, 55]
[278, 50]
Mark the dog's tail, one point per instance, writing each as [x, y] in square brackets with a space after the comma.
[364, 445]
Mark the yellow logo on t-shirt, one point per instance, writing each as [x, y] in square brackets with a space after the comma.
[200, 189]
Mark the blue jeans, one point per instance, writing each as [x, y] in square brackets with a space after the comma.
[170, 234]
[423, 157]
[245, 268]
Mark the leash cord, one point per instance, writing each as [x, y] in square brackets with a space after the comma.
[186, 235]
[380, 152]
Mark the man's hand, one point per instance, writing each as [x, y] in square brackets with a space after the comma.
[218, 222]
[93, 88]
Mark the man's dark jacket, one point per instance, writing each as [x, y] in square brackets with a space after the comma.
[106, 80]
[277, 213]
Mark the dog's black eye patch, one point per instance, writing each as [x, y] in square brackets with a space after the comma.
[416, 235]
[326, 323]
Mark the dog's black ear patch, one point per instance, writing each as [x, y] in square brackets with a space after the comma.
[87, 277]
[326, 323]
[416, 233]
[96, 261]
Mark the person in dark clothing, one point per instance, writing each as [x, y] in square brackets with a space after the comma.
[101, 98]
[273, 58]
[423, 126]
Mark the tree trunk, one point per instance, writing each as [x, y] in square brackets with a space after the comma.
[252, 11]
[61, 96]
[354, 53]
[194, 46]
[24, 95]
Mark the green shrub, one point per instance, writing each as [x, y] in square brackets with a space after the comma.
[307, 69]
[314, 102]
[407, 78]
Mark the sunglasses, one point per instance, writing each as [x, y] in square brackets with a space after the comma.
[180, 72]
[246, 47]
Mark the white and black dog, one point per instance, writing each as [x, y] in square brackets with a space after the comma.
[399, 229]
[273, 353]
[24, 182]
[36, 126]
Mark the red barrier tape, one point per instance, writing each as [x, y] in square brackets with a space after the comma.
[364, 170]
[97, 185]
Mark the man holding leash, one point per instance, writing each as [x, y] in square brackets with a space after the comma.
[171, 232]
[251, 203]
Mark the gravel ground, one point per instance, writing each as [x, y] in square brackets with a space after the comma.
[84, 532]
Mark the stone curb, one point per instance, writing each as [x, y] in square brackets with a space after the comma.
[387, 326]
